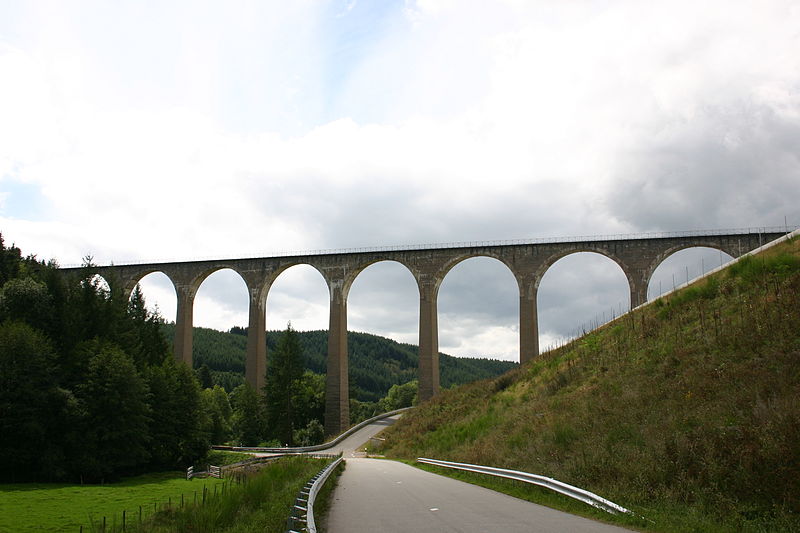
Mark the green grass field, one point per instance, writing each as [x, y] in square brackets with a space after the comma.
[62, 507]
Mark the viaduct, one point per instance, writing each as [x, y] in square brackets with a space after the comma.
[637, 255]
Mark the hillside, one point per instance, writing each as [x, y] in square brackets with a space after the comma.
[687, 411]
[376, 363]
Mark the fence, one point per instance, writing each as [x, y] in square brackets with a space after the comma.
[116, 522]
[213, 471]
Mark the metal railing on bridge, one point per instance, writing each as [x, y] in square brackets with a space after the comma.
[470, 244]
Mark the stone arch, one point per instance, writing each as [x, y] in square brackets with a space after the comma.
[553, 258]
[370, 305]
[558, 305]
[282, 268]
[197, 278]
[451, 262]
[353, 274]
[461, 310]
[129, 282]
[688, 262]
[238, 290]
[361, 268]
[667, 252]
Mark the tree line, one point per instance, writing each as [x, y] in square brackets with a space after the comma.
[375, 363]
[89, 390]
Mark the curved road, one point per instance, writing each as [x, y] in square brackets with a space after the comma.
[388, 496]
[351, 444]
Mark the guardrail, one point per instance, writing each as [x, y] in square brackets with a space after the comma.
[553, 484]
[302, 516]
[270, 458]
[316, 447]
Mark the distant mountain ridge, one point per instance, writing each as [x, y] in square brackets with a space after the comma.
[376, 363]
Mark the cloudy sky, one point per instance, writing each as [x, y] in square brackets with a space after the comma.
[186, 130]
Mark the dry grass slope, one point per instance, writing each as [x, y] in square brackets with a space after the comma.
[687, 410]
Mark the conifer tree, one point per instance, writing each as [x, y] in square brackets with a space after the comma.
[115, 396]
[248, 415]
[284, 372]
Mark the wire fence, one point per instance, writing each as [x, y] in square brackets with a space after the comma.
[465, 244]
[230, 476]
[133, 519]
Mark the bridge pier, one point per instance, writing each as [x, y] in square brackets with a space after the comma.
[256, 362]
[528, 324]
[428, 342]
[183, 324]
[337, 389]
[638, 281]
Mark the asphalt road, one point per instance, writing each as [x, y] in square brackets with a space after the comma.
[379, 495]
[375, 495]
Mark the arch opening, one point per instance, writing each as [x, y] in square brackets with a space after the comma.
[578, 293]
[298, 295]
[478, 304]
[383, 301]
[682, 266]
[221, 301]
[159, 295]
[221, 304]
[384, 298]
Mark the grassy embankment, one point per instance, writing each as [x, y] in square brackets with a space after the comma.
[687, 411]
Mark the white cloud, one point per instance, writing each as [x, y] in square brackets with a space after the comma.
[278, 126]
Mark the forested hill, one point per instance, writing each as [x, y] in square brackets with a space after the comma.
[376, 363]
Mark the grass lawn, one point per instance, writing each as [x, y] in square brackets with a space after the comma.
[63, 507]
